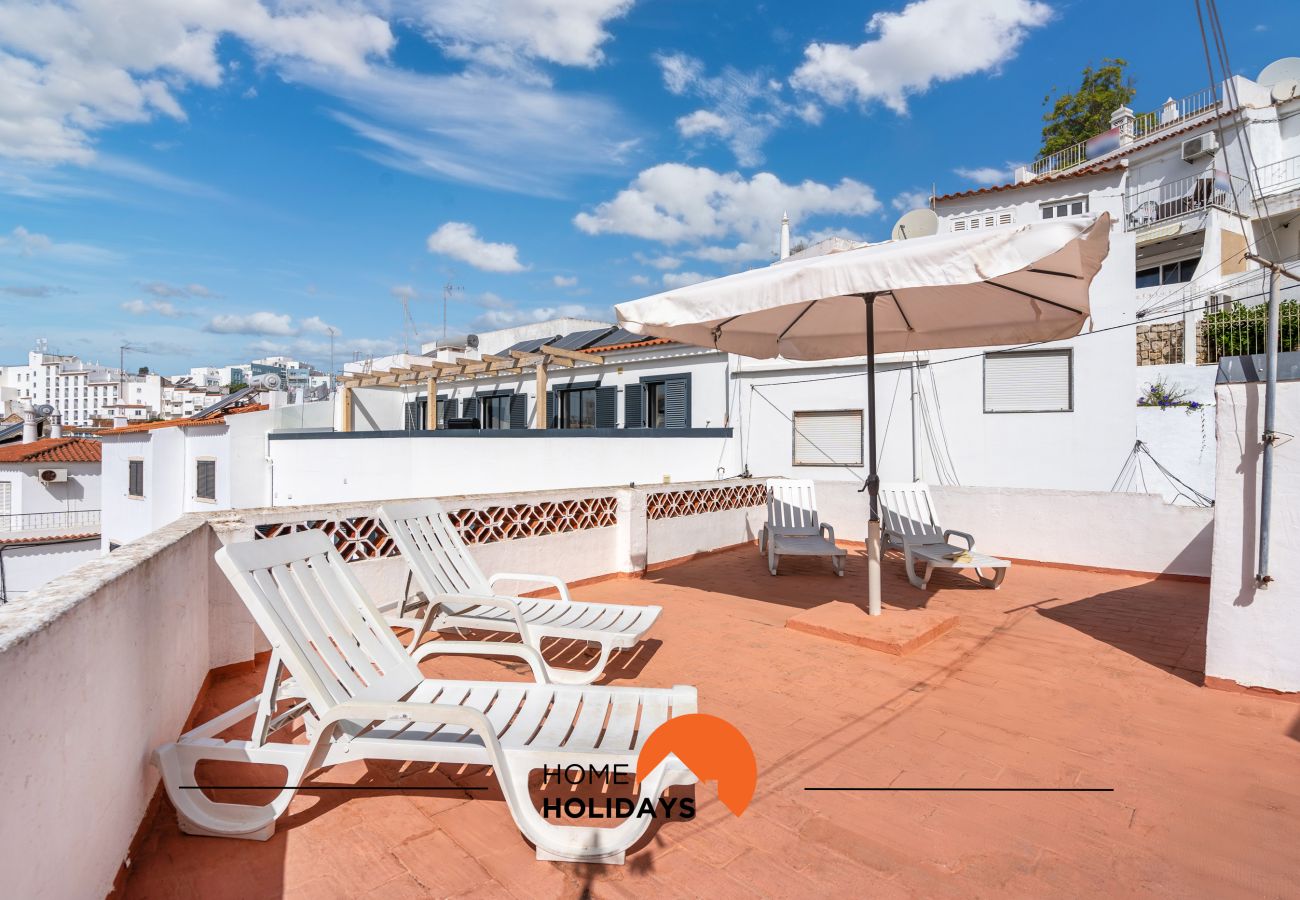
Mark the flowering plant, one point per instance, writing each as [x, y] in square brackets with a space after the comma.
[1161, 394]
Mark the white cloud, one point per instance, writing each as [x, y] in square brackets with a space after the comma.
[639, 280]
[403, 292]
[68, 70]
[565, 281]
[144, 307]
[658, 262]
[22, 242]
[460, 240]
[682, 279]
[316, 325]
[908, 51]
[742, 108]
[252, 323]
[910, 200]
[985, 174]
[506, 32]
[674, 203]
[167, 289]
[505, 314]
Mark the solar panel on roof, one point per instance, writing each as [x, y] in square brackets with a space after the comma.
[580, 340]
[533, 345]
[225, 402]
[623, 336]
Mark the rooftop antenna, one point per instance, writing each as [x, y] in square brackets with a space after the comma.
[121, 367]
[408, 324]
[447, 290]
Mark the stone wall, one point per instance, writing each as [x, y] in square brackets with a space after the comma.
[1160, 343]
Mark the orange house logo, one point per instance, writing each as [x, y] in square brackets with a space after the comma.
[713, 749]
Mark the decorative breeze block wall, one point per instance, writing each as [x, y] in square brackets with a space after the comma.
[671, 504]
[364, 537]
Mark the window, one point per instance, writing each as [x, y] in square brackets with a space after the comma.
[1028, 381]
[576, 407]
[828, 438]
[494, 410]
[135, 478]
[1059, 209]
[1177, 272]
[659, 401]
[205, 479]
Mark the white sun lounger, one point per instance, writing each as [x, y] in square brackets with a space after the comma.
[459, 595]
[910, 521]
[362, 696]
[793, 528]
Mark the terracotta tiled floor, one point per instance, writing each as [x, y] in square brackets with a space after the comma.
[1059, 679]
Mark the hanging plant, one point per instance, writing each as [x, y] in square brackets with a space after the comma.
[1162, 395]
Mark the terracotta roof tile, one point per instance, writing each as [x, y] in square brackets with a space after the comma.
[40, 538]
[53, 450]
[215, 419]
[628, 346]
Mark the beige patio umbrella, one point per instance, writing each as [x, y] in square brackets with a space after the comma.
[986, 288]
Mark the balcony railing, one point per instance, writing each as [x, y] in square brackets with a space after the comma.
[1181, 197]
[1278, 177]
[1240, 330]
[79, 520]
[1175, 112]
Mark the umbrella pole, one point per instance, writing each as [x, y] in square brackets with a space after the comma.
[873, 479]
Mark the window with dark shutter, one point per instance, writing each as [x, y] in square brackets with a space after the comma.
[205, 479]
[470, 409]
[519, 411]
[135, 478]
[677, 396]
[607, 407]
[633, 414]
[446, 410]
[414, 418]
[664, 401]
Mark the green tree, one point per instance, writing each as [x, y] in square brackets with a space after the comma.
[1085, 113]
[235, 386]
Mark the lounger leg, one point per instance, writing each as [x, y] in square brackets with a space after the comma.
[579, 676]
[996, 581]
[916, 580]
[925, 580]
[837, 563]
[772, 558]
[762, 540]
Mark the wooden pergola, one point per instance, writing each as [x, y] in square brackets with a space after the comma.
[432, 373]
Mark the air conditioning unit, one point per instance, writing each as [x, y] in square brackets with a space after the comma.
[1205, 145]
[52, 476]
[1216, 302]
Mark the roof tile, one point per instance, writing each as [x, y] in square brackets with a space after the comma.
[53, 450]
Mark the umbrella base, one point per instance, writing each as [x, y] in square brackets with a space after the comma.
[901, 632]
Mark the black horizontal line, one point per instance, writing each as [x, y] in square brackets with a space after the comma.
[1037, 790]
[319, 787]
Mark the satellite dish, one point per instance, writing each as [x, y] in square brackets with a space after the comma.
[1285, 69]
[917, 223]
[1286, 89]
[44, 410]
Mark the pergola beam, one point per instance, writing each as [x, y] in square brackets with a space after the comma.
[576, 356]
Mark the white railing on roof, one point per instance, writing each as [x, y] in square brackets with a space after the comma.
[1278, 177]
[1173, 112]
[79, 519]
[1180, 197]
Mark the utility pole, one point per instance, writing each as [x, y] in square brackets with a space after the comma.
[332, 333]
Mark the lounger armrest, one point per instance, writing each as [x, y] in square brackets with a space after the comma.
[828, 532]
[970, 539]
[486, 648]
[540, 579]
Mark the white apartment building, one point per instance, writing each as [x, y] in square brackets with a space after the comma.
[80, 391]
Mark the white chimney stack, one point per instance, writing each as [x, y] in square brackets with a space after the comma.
[56, 424]
[119, 420]
[785, 236]
[31, 431]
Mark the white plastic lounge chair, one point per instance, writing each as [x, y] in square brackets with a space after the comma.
[793, 528]
[362, 696]
[910, 521]
[459, 595]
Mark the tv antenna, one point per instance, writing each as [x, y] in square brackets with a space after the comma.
[408, 324]
[121, 367]
[448, 290]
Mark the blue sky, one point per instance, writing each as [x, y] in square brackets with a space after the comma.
[211, 182]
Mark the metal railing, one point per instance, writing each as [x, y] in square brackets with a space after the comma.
[1278, 177]
[1180, 197]
[49, 521]
[1143, 124]
[1240, 330]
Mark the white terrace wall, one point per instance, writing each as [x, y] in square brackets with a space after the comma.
[27, 567]
[1097, 529]
[340, 468]
[1254, 632]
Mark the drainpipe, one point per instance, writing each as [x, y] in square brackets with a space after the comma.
[916, 422]
[1269, 438]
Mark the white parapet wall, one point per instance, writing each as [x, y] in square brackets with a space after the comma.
[1254, 631]
[1093, 529]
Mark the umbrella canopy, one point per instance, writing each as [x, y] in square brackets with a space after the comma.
[1004, 286]
[986, 288]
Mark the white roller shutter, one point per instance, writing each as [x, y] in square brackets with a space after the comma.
[1028, 381]
[828, 438]
[6, 500]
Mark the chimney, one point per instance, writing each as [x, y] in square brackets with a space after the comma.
[56, 424]
[31, 430]
[785, 236]
[119, 420]
[277, 399]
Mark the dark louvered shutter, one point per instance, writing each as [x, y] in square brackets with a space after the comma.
[553, 410]
[470, 408]
[607, 407]
[446, 410]
[518, 410]
[412, 418]
[633, 400]
[205, 487]
[677, 402]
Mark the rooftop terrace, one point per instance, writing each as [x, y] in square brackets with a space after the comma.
[1062, 678]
